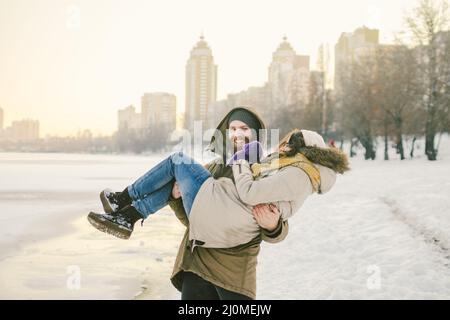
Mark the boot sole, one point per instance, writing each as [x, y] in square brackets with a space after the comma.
[105, 203]
[106, 226]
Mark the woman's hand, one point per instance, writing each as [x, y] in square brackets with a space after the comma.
[176, 191]
[251, 152]
[267, 216]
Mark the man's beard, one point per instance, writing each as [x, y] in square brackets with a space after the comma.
[235, 148]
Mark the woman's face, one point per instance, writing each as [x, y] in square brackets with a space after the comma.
[284, 148]
[292, 143]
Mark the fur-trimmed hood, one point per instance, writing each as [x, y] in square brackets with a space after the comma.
[329, 161]
[332, 158]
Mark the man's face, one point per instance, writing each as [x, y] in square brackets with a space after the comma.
[239, 134]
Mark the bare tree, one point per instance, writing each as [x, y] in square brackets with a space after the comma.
[397, 90]
[386, 125]
[359, 104]
[444, 83]
[426, 22]
[290, 117]
[314, 110]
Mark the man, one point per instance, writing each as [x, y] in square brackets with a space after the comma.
[207, 273]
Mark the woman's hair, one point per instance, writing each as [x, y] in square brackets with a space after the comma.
[294, 141]
[332, 158]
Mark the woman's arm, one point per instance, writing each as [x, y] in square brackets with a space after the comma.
[285, 207]
[285, 185]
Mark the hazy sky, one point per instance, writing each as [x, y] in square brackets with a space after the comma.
[72, 64]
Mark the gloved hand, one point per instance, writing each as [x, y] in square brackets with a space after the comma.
[252, 152]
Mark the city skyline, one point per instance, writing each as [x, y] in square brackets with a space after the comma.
[76, 74]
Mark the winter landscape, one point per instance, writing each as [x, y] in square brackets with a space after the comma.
[95, 93]
[382, 233]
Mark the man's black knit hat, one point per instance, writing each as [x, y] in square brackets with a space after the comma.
[245, 116]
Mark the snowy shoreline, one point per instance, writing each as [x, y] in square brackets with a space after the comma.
[109, 268]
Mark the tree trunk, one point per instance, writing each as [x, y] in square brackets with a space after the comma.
[430, 151]
[430, 127]
[399, 132]
[386, 144]
[369, 147]
[352, 144]
[429, 146]
[412, 147]
[400, 146]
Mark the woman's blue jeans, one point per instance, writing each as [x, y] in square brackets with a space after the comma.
[151, 192]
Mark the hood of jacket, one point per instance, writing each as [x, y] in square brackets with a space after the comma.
[219, 146]
[332, 158]
[329, 161]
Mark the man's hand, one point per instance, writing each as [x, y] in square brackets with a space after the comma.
[176, 191]
[267, 216]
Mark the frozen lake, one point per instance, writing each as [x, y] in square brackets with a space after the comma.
[34, 186]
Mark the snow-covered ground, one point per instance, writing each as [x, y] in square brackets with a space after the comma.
[383, 232]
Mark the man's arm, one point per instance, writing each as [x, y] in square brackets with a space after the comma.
[278, 234]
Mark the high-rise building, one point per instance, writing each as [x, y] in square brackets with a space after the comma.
[159, 108]
[128, 119]
[288, 76]
[288, 84]
[350, 45]
[325, 64]
[201, 83]
[23, 130]
[255, 98]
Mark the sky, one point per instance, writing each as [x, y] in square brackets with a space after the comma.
[71, 64]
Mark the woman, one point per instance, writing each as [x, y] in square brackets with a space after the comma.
[303, 165]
